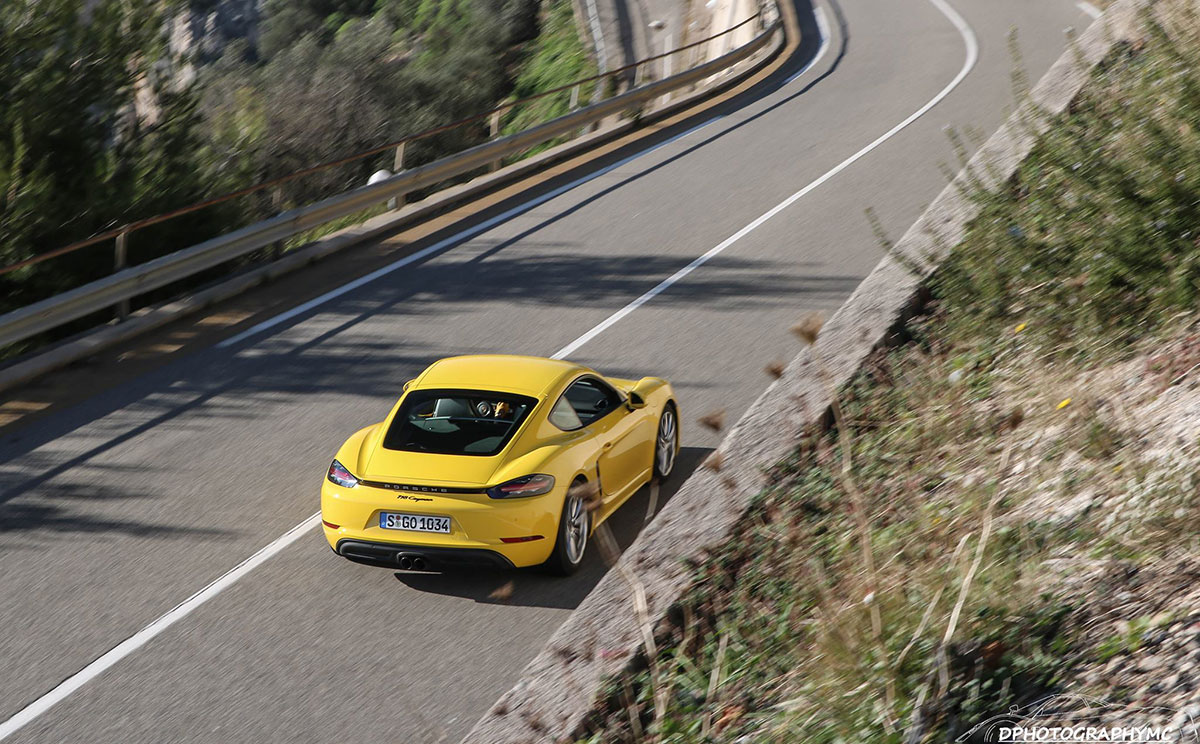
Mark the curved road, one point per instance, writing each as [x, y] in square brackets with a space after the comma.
[148, 486]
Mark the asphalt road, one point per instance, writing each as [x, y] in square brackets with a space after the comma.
[117, 508]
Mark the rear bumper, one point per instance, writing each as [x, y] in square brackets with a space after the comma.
[419, 557]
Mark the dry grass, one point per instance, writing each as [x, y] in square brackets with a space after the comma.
[945, 589]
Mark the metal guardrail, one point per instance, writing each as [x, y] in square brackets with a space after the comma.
[117, 289]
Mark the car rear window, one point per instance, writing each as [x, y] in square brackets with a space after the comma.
[457, 422]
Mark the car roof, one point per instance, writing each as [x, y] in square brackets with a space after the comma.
[508, 372]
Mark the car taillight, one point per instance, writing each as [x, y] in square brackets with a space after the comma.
[340, 475]
[528, 485]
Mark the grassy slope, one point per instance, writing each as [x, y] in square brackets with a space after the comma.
[1015, 486]
[557, 58]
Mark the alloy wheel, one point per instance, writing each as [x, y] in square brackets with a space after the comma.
[668, 441]
[577, 528]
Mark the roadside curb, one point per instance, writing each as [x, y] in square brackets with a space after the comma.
[601, 638]
[96, 340]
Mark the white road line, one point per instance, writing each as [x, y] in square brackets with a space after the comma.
[143, 636]
[972, 45]
[68, 686]
[1088, 8]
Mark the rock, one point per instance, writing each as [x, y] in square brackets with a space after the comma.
[1153, 638]
[202, 30]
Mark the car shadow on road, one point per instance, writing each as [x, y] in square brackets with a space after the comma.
[530, 587]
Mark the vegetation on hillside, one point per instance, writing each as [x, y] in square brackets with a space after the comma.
[1010, 506]
[322, 80]
[74, 158]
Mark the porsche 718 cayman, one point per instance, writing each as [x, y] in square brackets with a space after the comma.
[506, 461]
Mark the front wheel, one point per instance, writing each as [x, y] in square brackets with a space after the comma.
[572, 538]
[666, 444]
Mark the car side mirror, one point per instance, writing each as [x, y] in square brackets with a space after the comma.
[639, 393]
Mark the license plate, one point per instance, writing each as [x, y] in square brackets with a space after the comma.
[414, 522]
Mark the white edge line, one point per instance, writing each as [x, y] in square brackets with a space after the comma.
[1088, 8]
[97, 667]
[972, 46]
[143, 636]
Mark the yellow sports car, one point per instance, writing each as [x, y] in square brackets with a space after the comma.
[505, 461]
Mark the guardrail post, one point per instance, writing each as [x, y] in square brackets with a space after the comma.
[120, 259]
[574, 104]
[667, 68]
[397, 166]
[494, 130]
[275, 250]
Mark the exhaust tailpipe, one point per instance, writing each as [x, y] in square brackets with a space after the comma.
[418, 563]
[406, 563]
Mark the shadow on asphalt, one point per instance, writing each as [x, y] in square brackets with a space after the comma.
[532, 588]
[214, 386]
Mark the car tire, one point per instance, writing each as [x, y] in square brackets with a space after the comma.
[574, 532]
[666, 442]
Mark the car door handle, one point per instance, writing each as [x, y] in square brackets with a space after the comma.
[606, 445]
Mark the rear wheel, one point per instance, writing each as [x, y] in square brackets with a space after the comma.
[571, 541]
[666, 444]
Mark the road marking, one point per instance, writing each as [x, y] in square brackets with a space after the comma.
[1088, 8]
[143, 636]
[972, 45]
[97, 667]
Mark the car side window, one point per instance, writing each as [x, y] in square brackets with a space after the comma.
[586, 400]
[563, 415]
